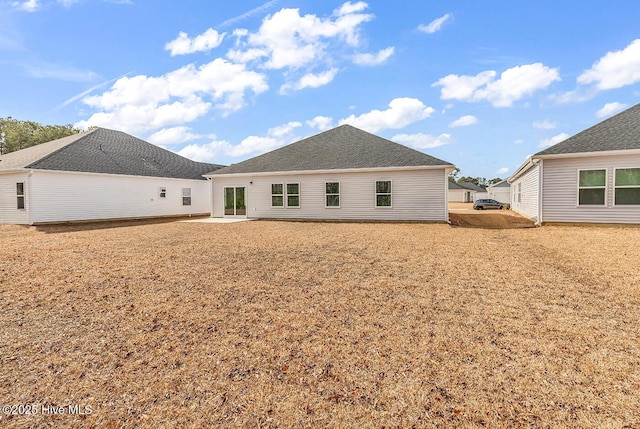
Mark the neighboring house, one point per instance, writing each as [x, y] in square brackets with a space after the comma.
[96, 175]
[592, 177]
[500, 191]
[340, 174]
[465, 192]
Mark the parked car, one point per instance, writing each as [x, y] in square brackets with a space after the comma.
[483, 204]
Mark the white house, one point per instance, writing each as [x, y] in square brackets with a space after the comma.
[340, 174]
[500, 191]
[96, 175]
[465, 192]
[592, 177]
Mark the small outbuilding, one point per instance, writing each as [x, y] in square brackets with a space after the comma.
[341, 174]
[500, 191]
[465, 192]
[592, 177]
[97, 175]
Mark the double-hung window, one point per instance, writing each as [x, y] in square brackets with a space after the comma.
[383, 193]
[627, 186]
[20, 194]
[592, 185]
[277, 195]
[186, 196]
[285, 193]
[332, 194]
[293, 195]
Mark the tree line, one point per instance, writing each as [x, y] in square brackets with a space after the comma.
[480, 181]
[16, 134]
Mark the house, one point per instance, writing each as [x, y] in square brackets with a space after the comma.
[465, 192]
[96, 175]
[341, 174]
[500, 191]
[591, 177]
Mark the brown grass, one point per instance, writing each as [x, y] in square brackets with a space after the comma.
[278, 324]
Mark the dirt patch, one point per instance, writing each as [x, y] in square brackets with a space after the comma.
[282, 324]
[489, 220]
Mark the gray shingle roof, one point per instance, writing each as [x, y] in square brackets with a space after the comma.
[620, 132]
[106, 151]
[344, 147]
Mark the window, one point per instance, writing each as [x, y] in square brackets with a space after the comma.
[627, 186]
[162, 193]
[383, 193]
[20, 195]
[277, 195]
[332, 194]
[520, 192]
[186, 196]
[293, 195]
[591, 187]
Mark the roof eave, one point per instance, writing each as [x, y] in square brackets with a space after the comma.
[588, 154]
[332, 171]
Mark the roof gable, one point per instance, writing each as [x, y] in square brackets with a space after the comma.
[620, 132]
[344, 147]
[109, 152]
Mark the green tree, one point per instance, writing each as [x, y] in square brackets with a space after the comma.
[16, 134]
[453, 174]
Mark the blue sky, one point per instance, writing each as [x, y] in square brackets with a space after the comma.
[481, 84]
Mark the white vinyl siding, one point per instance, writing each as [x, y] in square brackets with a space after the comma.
[560, 199]
[417, 195]
[65, 196]
[525, 193]
[9, 212]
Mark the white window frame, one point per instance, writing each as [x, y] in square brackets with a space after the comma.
[376, 194]
[606, 183]
[21, 196]
[287, 195]
[278, 195]
[327, 194]
[519, 192]
[615, 187]
[186, 193]
[162, 192]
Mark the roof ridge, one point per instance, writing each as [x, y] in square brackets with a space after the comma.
[80, 136]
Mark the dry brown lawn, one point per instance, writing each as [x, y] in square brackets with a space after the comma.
[283, 324]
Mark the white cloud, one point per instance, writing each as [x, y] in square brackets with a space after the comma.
[434, 25]
[67, 3]
[173, 135]
[249, 14]
[204, 42]
[553, 140]
[310, 80]
[320, 122]
[519, 141]
[464, 121]
[513, 84]
[616, 69]
[501, 171]
[422, 141]
[143, 103]
[275, 138]
[374, 60]
[27, 6]
[544, 125]
[401, 112]
[205, 153]
[610, 109]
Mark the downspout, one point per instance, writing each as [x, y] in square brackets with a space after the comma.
[210, 179]
[29, 198]
[446, 194]
[540, 190]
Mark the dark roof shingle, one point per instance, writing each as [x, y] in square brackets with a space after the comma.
[110, 152]
[344, 147]
[620, 132]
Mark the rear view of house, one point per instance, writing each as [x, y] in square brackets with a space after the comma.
[592, 177]
[340, 174]
[96, 175]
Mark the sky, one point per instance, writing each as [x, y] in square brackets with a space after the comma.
[480, 84]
